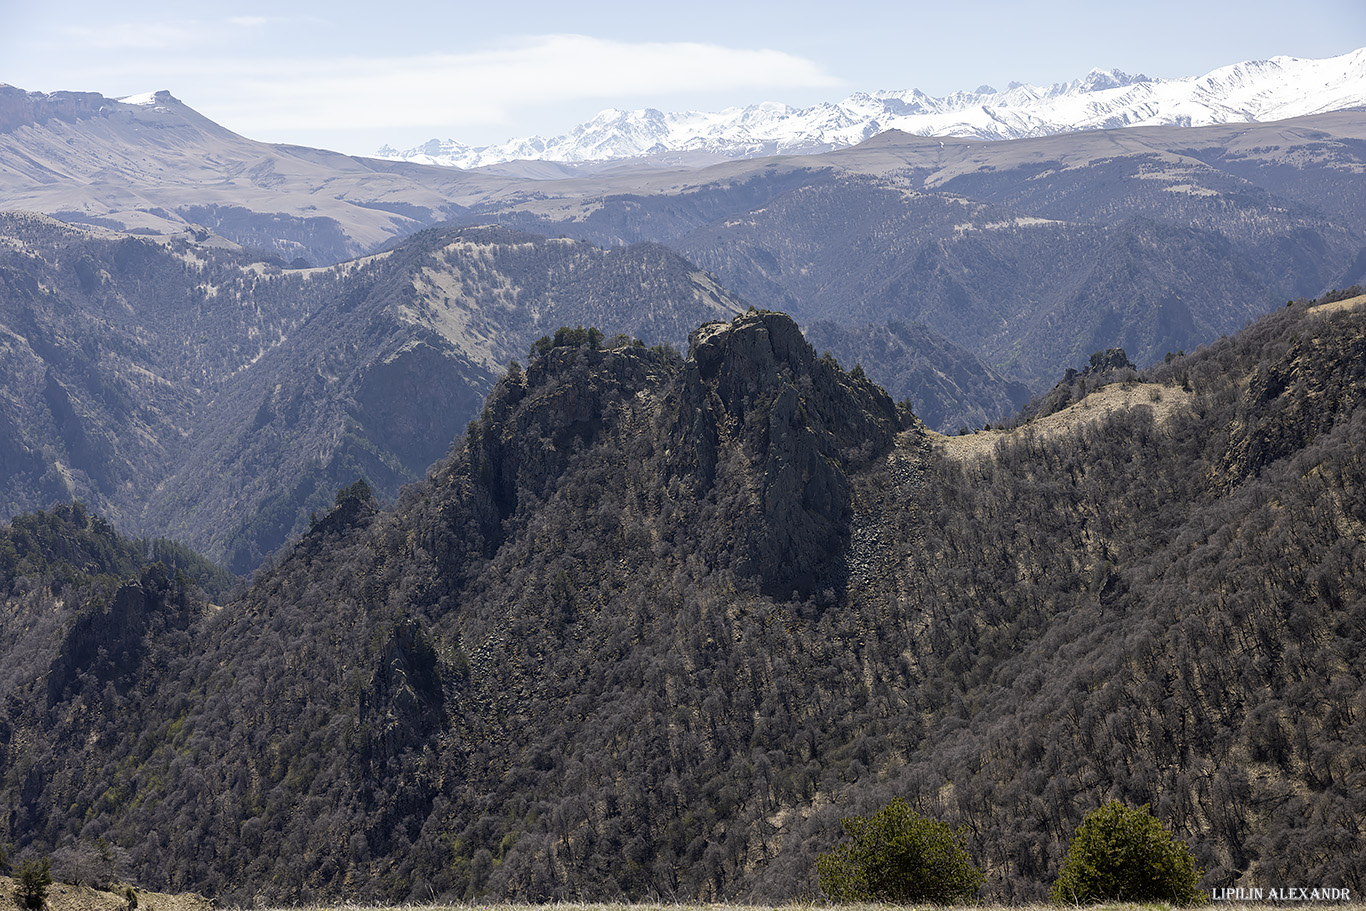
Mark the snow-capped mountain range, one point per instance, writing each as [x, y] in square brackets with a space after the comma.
[1260, 90]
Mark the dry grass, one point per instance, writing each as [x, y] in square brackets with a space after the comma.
[702, 906]
[1163, 400]
[1350, 303]
[68, 897]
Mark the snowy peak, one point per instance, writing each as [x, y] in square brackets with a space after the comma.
[1100, 80]
[1259, 90]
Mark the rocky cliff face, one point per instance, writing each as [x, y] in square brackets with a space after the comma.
[107, 642]
[752, 417]
[20, 108]
[802, 423]
[536, 422]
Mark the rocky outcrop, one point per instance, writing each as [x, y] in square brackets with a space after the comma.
[752, 419]
[803, 424]
[20, 108]
[1110, 360]
[403, 706]
[536, 420]
[107, 643]
[1320, 378]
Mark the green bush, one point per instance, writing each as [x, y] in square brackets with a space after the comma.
[1123, 854]
[32, 879]
[898, 856]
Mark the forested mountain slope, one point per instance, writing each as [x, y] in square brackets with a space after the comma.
[112, 345]
[656, 624]
[949, 387]
[183, 386]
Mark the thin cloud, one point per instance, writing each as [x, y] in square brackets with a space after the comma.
[154, 35]
[447, 91]
[133, 36]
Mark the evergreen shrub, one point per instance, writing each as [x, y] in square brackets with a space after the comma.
[31, 882]
[1123, 854]
[900, 857]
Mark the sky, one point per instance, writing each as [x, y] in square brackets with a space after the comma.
[353, 76]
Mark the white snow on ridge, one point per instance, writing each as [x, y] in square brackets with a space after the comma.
[1261, 90]
[144, 98]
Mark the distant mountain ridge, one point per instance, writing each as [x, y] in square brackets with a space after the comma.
[1025, 256]
[1251, 91]
[1153, 239]
[154, 165]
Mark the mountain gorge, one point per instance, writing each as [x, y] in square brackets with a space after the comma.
[949, 387]
[184, 387]
[657, 623]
